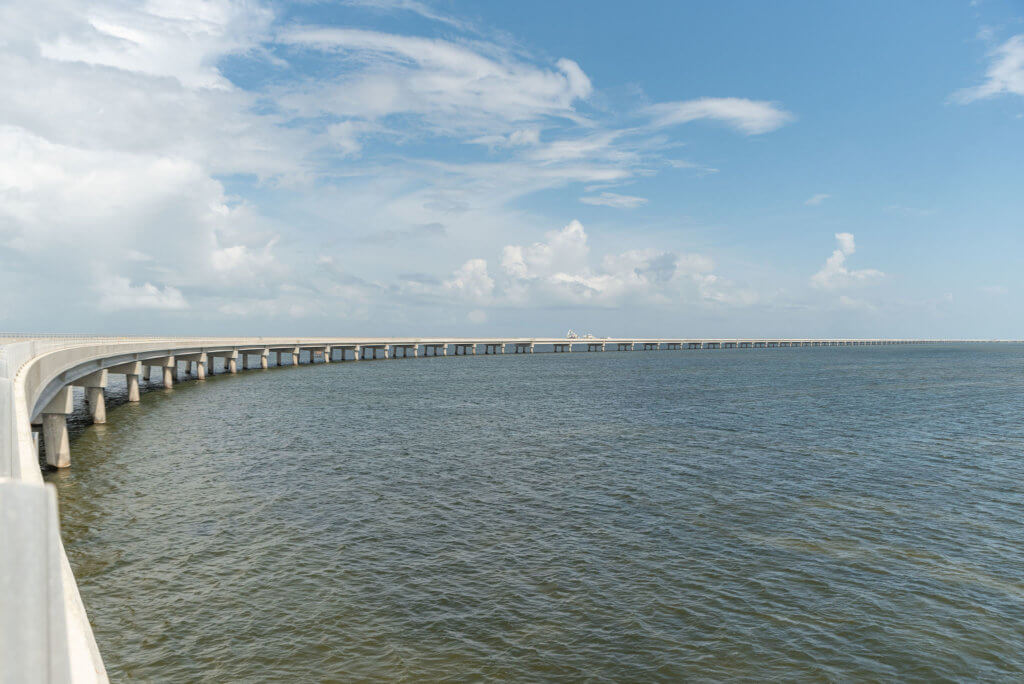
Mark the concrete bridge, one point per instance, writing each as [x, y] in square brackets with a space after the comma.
[44, 632]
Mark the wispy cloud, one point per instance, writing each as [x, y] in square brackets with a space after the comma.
[699, 169]
[452, 86]
[1005, 73]
[611, 199]
[751, 117]
[815, 200]
[422, 9]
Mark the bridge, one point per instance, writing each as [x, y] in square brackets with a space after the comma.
[44, 631]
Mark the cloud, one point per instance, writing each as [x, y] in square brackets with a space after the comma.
[701, 169]
[815, 200]
[452, 86]
[1005, 73]
[183, 40]
[751, 117]
[558, 271]
[413, 6]
[522, 137]
[611, 199]
[214, 157]
[834, 274]
[118, 294]
[472, 281]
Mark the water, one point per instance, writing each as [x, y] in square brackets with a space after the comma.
[831, 513]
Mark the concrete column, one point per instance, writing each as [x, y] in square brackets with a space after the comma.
[416, 351]
[169, 376]
[327, 354]
[55, 436]
[357, 353]
[94, 384]
[145, 374]
[295, 356]
[233, 364]
[97, 404]
[201, 369]
[131, 372]
[55, 429]
[265, 359]
[133, 386]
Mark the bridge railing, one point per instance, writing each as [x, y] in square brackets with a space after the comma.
[45, 635]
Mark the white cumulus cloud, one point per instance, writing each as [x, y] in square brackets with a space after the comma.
[472, 281]
[834, 274]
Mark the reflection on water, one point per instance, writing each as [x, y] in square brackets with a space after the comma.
[792, 513]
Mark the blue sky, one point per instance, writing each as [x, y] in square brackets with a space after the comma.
[413, 167]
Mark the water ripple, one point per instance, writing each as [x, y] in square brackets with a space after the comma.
[810, 514]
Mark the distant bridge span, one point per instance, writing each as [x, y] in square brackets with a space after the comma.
[44, 632]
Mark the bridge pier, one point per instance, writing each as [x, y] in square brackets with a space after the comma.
[169, 366]
[55, 429]
[94, 384]
[131, 371]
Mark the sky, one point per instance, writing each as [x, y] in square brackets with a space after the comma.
[418, 167]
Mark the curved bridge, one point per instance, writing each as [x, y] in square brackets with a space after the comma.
[44, 631]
